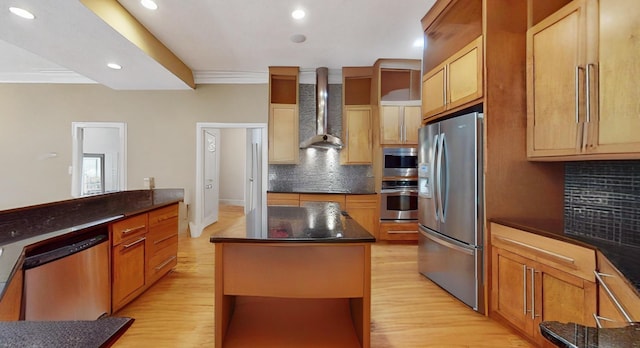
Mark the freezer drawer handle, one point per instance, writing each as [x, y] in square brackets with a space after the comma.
[559, 258]
[449, 245]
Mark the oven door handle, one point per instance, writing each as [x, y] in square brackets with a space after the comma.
[399, 191]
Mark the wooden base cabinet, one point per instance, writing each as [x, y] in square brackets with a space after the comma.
[128, 238]
[144, 248]
[532, 283]
[618, 302]
[364, 209]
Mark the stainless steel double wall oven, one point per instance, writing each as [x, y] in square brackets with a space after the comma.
[399, 194]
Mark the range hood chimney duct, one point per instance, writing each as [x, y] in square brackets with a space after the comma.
[322, 139]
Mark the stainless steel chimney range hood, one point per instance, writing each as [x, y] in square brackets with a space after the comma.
[322, 139]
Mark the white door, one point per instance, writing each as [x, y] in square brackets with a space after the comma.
[211, 177]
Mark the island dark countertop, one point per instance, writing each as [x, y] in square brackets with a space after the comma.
[573, 335]
[317, 222]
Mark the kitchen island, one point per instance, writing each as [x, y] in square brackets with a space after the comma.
[302, 280]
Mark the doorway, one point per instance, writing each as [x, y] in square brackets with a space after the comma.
[253, 178]
[98, 162]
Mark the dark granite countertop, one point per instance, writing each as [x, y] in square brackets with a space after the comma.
[26, 226]
[316, 222]
[623, 257]
[69, 334]
[577, 336]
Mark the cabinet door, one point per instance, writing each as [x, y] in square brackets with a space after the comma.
[412, 122]
[433, 91]
[510, 290]
[283, 134]
[128, 270]
[465, 75]
[617, 72]
[555, 71]
[357, 128]
[390, 120]
[364, 209]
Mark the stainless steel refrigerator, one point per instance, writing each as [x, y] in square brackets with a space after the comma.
[450, 204]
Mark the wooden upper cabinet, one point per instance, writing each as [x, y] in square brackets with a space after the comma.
[357, 123]
[555, 71]
[581, 82]
[357, 119]
[454, 83]
[399, 124]
[283, 134]
[283, 115]
[614, 78]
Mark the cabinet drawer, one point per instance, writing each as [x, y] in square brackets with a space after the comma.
[292, 199]
[163, 261]
[567, 257]
[162, 237]
[401, 231]
[133, 226]
[160, 215]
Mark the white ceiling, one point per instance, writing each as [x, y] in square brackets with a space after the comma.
[221, 41]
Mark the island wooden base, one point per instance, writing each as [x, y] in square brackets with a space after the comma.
[293, 294]
[277, 322]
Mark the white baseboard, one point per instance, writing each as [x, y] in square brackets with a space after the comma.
[238, 202]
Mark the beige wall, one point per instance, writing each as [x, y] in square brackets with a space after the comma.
[35, 120]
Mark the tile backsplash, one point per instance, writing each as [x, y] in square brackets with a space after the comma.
[320, 170]
[602, 200]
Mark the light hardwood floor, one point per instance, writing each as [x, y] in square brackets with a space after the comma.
[407, 309]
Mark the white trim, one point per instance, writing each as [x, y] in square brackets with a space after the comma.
[230, 77]
[76, 152]
[196, 226]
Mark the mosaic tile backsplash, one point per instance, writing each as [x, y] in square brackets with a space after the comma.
[320, 170]
[602, 200]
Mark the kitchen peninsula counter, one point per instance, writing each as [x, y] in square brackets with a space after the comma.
[304, 277]
[23, 227]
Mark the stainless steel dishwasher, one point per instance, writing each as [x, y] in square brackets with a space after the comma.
[68, 279]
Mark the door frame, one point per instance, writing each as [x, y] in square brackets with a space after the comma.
[77, 136]
[196, 225]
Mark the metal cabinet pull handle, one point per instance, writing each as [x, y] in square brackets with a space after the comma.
[163, 239]
[127, 246]
[167, 217]
[600, 278]
[597, 319]
[533, 293]
[577, 86]
[133, 229]
[524, 289]
[166, 262]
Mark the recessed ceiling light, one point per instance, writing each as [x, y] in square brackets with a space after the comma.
[114, 66]
[150, 4]
[20, 12]
[298, 14]
[419, 42]
[298, 38]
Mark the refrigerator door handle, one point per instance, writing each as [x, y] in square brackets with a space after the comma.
[445, 243]
[441, 173]
[435, 170]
